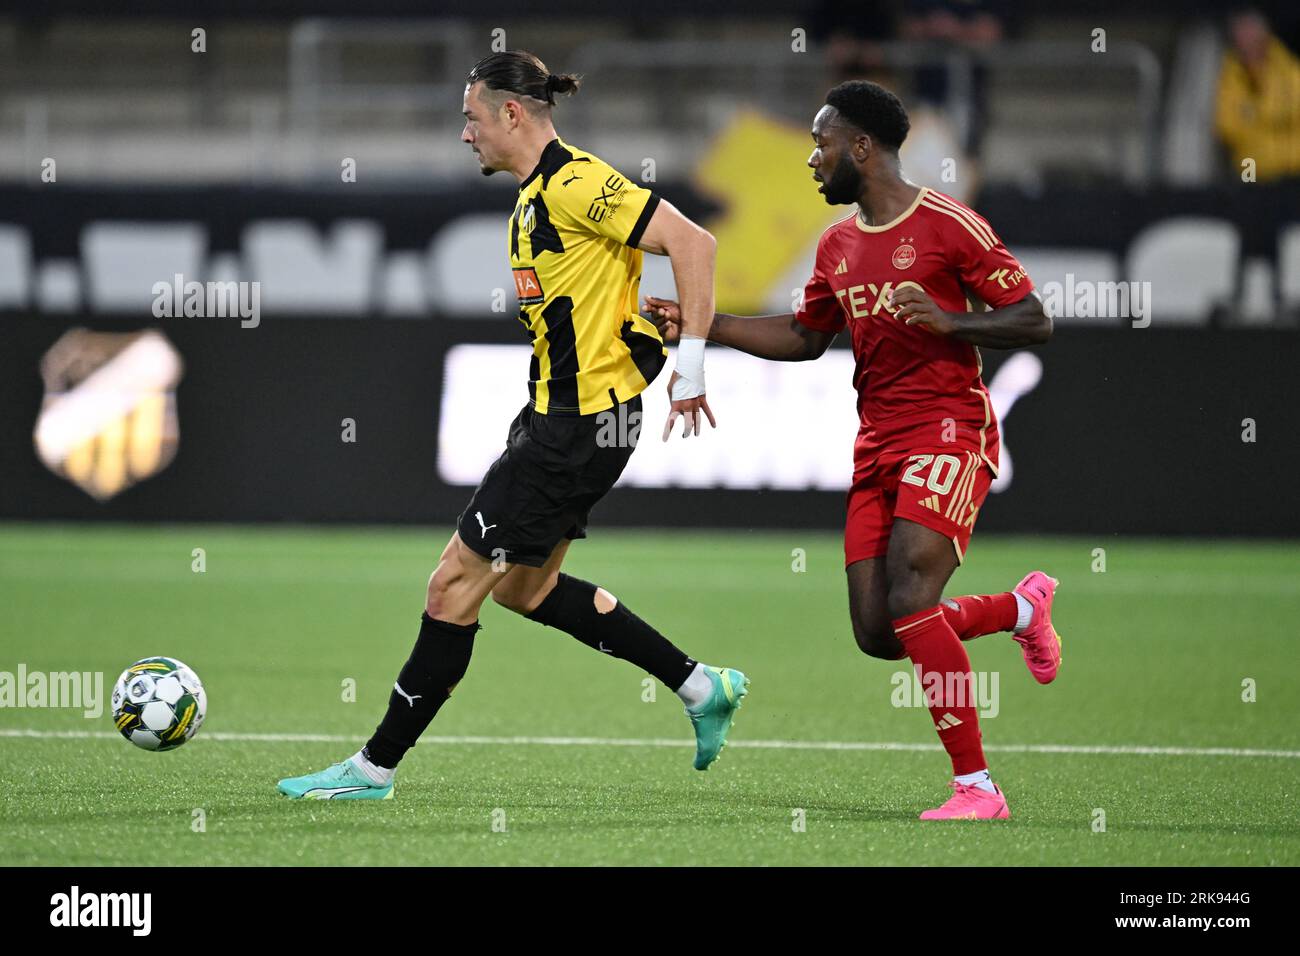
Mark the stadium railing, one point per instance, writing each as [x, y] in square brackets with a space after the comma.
[396, 85]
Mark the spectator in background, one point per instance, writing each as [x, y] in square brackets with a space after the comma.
[852, 32]
[1258, 111]
[945, 129]
[955, 24]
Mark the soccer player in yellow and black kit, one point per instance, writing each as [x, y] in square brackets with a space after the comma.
[575, 242]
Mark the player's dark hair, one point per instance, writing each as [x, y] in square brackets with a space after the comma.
[873, 109]
[521, 73]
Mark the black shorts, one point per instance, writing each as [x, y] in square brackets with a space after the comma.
[543, 486]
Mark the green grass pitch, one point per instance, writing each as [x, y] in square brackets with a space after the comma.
[1156, 652]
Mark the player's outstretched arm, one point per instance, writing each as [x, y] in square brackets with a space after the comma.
[1014, 326]
[691, 249]
[777, 337]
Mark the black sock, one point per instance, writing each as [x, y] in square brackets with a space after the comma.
[436, 665]
[571, 607]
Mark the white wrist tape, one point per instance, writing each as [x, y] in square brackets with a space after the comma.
[690, 368]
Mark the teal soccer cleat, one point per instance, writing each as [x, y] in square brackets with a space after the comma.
[714, 717]
[343, 781]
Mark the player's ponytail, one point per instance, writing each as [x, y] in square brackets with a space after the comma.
[521, 73]
[566, 84]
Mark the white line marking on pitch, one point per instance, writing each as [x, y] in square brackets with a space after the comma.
[1120, 750]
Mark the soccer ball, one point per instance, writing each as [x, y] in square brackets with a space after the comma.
[158, 703]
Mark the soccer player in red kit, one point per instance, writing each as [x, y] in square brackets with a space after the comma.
[920, 281]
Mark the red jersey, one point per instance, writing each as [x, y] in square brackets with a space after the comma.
[909, 379]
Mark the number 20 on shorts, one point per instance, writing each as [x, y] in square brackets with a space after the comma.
[943, 472]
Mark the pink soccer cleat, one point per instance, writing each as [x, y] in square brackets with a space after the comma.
[1039, 642]
[971, 803]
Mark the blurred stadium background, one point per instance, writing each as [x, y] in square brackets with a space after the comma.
[312, 147]
[315, 151]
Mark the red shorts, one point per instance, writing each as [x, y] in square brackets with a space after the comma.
[941, 488]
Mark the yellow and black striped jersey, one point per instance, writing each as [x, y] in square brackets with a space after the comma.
[573, 249]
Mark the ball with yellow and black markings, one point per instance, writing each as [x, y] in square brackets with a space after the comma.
[159, 703]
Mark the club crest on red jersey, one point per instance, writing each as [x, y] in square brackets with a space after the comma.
[904, 256]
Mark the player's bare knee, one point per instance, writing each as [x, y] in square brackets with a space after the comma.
[876, 639]
[433, 606]
[513, 599]
[887, 652]
[522, 591]
[441, 584]
[883, 646]
[908, 596]
[434, 597]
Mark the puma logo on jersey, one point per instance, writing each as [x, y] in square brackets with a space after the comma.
[486, 527]
[410, 699]
[570, 179]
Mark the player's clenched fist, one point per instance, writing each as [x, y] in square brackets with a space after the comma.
[667, 315]
[686, 387]
[915, 307]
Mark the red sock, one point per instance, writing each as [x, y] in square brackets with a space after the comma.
[944, 669]
[975, 615]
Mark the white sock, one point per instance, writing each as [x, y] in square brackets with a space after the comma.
[379, 776]
[697, 688]
[1024, 612]
[980, 778]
